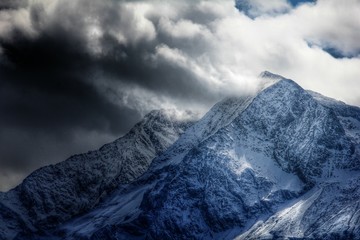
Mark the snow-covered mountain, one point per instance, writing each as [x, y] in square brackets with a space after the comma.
[280, 163]
[56, 193]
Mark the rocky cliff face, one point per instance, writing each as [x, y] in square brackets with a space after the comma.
[281, 163]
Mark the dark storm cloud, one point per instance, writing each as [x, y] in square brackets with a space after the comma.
[162, 77]
[49, 75]
[45, 83]
[54, 86]
[12, 4]
[62, 48]
[131, 63]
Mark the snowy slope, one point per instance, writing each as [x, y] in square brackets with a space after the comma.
[349, 117]
[328, 211]
[58, 192]
[331, 210]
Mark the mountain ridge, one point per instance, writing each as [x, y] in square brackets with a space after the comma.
[155, 215]
[83, 179]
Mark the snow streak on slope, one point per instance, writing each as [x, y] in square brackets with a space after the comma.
[220, 115]
[329, 211]
[58, 192]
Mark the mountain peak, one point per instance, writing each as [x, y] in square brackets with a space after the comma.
[272, 80]
[267, 74]
[172, 114]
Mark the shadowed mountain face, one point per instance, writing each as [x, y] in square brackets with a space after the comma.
[282, 163]
[56, 193]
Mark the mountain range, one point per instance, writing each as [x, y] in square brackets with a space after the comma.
[279, 163]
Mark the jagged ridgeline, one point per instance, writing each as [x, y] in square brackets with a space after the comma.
[280, 163]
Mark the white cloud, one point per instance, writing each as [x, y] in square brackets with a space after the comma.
[181, 29]
[240, 47]
[332, 24]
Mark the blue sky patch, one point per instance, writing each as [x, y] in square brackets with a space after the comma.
[253, 9]
[334, 52]
[297, 2]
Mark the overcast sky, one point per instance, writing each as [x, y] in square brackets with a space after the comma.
[75, 74]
